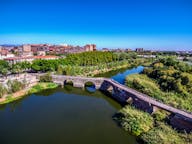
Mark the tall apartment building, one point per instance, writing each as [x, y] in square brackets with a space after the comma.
[90, 47]
[139, 50]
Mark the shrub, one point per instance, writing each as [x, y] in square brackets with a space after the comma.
[3, 90]
[134, 120]
[160, 115]
[46, 78]
[15, 86]
[162, 134]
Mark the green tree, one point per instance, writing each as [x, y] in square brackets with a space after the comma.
[4, 72]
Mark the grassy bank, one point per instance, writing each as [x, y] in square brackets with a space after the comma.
[34, 89]
[150, 129]
[42, 86]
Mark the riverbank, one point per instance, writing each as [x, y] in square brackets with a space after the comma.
[33, 88]
[150, 129]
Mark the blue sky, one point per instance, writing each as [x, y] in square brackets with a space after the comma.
[152, 24]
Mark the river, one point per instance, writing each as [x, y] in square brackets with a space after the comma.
[63, 115]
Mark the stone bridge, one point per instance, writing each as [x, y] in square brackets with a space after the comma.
[181, 120]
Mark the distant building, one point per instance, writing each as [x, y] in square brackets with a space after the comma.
[105, 50]
[90, 47]
[128, 50]
[8, 55]
[39, 47]
[139, 50]
[27, 48]
[14, 60]
[4, 51]
[41, 53]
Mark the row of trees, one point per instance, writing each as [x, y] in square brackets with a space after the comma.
[91, 58]
[73, 63]
[6, 68]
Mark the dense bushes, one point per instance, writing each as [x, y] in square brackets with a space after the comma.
[44, 65]
[164, 134]
[167, 80]
[150, 129]
[90, 58]
[3, 90]
[133, 120]
[14, 86]
[46, 78]
[150, 87]
[171, 75]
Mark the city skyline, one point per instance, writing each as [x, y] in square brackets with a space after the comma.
[158, 25]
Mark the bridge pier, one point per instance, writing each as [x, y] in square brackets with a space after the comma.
[78, 85]
[181, 123]
[154, 109]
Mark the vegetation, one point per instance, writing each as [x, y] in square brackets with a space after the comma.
[160, 115]
[150, 87]
[3, 90]
[6, 68]
[37, 88]
[167, 80]
[42, 86]
[172, 75]
[46, 78]
[90, 58]
[150, 129]
[84, 64]
[164, 134]
[9, 99]
[14, 86]
[133, 120]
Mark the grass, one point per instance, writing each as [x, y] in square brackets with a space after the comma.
[42, 86]
[10, 99]
[148, 86]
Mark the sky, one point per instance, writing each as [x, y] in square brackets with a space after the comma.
[150, 24]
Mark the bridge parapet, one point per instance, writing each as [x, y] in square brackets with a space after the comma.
[77, 81]
[125, 94]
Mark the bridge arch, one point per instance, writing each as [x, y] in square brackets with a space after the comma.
[89, 84]
[68, 82]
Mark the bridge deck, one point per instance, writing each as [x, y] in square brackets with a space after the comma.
[139, 95]
[151, 100]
